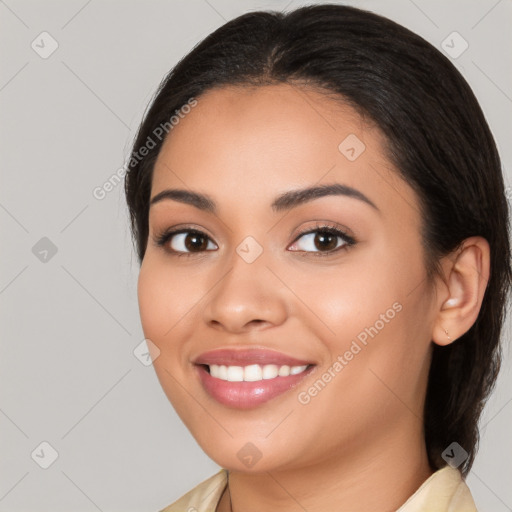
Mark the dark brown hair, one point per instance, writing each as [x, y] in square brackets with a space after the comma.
[436, 135]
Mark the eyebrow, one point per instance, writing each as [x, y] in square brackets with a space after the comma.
[285, 201]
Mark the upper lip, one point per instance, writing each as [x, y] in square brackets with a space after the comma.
[231, 357]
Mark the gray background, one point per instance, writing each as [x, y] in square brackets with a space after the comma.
[69, 324]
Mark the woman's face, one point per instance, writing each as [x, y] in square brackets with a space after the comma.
[251, 286]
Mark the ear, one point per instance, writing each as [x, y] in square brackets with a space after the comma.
[466, 274]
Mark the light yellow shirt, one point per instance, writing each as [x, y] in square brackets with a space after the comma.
[444, 491]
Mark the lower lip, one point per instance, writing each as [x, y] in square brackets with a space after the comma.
[246, 395]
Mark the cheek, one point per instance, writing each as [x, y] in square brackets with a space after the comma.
[165, 296]
[374, 314]
[162, 304]
[151, 298]
[349, 298]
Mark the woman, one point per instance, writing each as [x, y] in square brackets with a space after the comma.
[319, 212]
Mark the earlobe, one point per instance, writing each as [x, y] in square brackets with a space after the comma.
[466, 278]
[441, 336]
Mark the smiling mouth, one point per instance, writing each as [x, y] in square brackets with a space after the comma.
[249, 386]
[253, 372]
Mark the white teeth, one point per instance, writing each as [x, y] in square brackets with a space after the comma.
[235, 374]
[222, 372]
[253, 372]
[284, 371]
[270, 371]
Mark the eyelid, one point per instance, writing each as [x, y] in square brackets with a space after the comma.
[327, 226]
[330, 227]
[162, 238]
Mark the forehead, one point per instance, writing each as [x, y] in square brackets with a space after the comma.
[287, 122]
[253, 142]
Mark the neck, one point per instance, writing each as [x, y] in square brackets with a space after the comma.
[379, 478]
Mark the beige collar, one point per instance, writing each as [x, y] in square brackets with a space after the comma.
[443, 491]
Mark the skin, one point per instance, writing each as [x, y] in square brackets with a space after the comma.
[358, 444]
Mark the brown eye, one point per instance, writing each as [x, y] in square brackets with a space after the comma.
[325, 241]
[322, 241]
[186, 242]
[194, 242]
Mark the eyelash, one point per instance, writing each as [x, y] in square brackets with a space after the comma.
[332, 229]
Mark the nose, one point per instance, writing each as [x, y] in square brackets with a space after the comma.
[248, 297]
